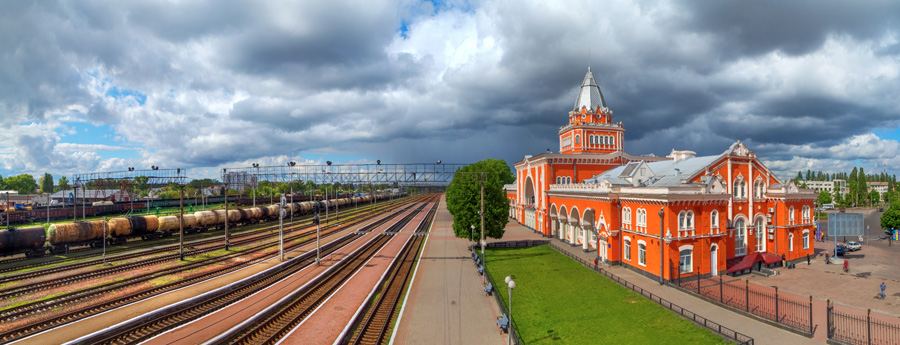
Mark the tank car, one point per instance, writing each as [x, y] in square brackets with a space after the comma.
[29, 240]
[121, 228]
[61, 236]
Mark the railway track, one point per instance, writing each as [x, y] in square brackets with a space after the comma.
[31, 328]
[24, 289]
[283, 318]
[151, 326]
[381, 314]
[167, 248]
[140, 244]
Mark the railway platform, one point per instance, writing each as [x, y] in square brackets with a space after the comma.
[761, 332]
[446, 303]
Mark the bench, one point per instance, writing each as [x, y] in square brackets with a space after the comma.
[488, 288]
[480, 270]
[503, 323]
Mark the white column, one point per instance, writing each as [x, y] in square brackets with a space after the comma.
[730, 189]
[584, 238]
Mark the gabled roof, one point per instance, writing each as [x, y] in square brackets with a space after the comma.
[589, 96]
[665, 171]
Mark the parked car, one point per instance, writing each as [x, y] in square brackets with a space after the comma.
[840, 250]
[853, 246]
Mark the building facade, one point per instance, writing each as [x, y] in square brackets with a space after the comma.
[662, 216]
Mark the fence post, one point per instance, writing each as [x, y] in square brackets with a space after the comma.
[827, 319]
[810, 316]
[698, 280]
[777, 319]
[869, 327]
[721, 298]
[747, 295]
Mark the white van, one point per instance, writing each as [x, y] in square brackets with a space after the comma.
[828, 206]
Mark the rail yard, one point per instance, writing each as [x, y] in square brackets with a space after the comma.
[121, 281]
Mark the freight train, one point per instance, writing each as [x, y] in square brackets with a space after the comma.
[60, 237]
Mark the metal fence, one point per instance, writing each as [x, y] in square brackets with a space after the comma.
[850, 325]
[498, 289]
[726, 332]
[785, 308]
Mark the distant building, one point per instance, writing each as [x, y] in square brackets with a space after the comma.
[91, 195]
[830, 186]
[880, 187]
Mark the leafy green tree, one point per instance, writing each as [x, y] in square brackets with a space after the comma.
[890, 219]
[2, 182]
[47, 183]
[142, 183]
[862, 188]
[874, 197]
[824, 197]
[464, 199]
[23, 183]
[63, 183]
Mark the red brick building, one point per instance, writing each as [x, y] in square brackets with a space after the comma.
[674, 215]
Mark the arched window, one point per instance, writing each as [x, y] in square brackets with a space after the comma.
[626, 217]
[627, 249]
[760, 234]
[577, 140]
[805, 239]
[714, 221]
[791, 215]
[681, 219]
[740, 237]
[790, 242]
[612, 141]
[685, 262]
[642, 253]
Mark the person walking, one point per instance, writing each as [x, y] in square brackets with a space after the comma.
[783, 260]
[882, 289]
[846, 266]
[807, 259]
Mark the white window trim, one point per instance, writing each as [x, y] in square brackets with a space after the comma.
[744, 241]
[806, 236]
[790, 242]
[641, 242]
[689, 266]
[626, 248]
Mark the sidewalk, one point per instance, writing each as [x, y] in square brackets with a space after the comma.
[761, 332]
[446, 303]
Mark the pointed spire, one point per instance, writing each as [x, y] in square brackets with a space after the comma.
[590, 95]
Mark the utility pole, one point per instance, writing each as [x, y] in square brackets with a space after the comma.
[181, 223]
[281, 228]
[225, 185]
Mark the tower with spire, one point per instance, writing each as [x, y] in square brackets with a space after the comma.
[591, 128]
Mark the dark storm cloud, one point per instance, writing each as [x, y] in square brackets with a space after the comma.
[236, 80]
[794, 27]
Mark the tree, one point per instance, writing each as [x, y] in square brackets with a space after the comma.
[853, 186]
[464, 199]
[47, 183]
[141, 183]
[862, 188]
[824, 197]
[63, 183]
[874, 197]
[890, 219]
[23, 183]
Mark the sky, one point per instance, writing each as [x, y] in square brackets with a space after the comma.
[90, 86]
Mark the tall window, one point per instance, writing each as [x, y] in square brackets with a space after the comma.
[805, 213]
[642, 219]
[758, 189]
[626, 218]
[628, 250]
[740, 237]
[790, 242]
[806, 239]
[791, 215]
[714, 221]
[612, 140]
[685, 262]
[760, 235]
[577, 140]
[642, 254]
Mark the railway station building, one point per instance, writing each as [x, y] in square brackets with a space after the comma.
[673, 216]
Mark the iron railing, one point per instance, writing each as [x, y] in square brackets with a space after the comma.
[849, 325]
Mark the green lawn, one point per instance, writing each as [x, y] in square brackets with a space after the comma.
[559, 301]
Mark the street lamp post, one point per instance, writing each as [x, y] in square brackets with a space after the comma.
[225, 185]
[511, 284]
